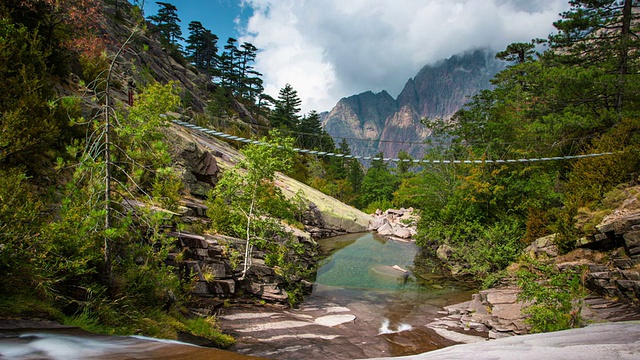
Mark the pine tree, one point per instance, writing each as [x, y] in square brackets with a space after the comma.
[517, 53]
[202, 47]
[166, 21]
[229, 72]
[287, 109]
[602, 33]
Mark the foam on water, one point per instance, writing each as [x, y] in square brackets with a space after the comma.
[385, 329]
[49, 346]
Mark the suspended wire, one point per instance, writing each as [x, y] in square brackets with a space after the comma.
[358, 157]
[422, 143]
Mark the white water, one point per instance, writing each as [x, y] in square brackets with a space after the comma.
[52, 346]
[60, 346]
[385, 329]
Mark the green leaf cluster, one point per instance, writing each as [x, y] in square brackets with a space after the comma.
[555, 297]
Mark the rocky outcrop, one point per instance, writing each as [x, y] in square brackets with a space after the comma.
[492, 313]
[197, 167]
[395, 224]
[337, 217]
[215, 261]
[608, 260]
[198, 159]
[389, 125]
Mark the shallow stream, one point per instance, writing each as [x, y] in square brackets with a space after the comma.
[363, 305]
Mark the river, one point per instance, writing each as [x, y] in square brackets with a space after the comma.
[362, 306]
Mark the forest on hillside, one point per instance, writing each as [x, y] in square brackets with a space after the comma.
[70, 152]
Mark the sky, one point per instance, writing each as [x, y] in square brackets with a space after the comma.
[330, 49]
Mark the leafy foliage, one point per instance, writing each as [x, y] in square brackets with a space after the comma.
[248, 193]
[29, 119]
[556, 297]
[575, 98]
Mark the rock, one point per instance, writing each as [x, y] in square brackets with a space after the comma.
[386, 230]
[397, 213]
[223, 288]
[192, 241]
[402, 233]
[632, 242]
[199, 168]
[378, 222]
[444, 251]
[544, 246]
[593, 342]
[398, 224]
[495, 312]
[619, 225]
[268, 291]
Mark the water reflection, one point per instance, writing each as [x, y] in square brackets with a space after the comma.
[365, 261]
[361, 273]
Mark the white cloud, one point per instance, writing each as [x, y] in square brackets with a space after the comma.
[329, 49]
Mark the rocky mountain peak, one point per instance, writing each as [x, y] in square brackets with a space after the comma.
[374, 122]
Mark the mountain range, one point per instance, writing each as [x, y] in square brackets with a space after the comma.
[376, 122]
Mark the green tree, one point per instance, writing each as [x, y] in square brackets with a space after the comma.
[166, 21]
[286, 113]
[229, 71]
[517, 53]
[202, 47]
[603, 34]
[313, 136]
[378, 183]
[404, 165]
[246, 202]
[28, 121]
[249, 82]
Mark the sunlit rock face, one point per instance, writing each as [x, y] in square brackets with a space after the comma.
[374, 122]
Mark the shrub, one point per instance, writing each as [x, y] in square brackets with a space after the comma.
[556, 296]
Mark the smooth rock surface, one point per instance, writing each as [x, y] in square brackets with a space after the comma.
[598, 341]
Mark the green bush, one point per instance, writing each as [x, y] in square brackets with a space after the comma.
[556, 296]
[481, 251]
[381, 204]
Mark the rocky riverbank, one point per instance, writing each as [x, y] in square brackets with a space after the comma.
[396, 224]
[214, 259]
[608, 259]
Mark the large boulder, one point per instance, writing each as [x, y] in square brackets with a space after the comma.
[198, 167]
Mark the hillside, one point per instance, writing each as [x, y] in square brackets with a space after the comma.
[96, 174]
[377, 122]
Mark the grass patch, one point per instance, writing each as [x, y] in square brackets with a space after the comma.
[26, 306]
[154, 323]
[208, 328]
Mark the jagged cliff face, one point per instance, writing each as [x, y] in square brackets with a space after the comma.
[363, 117]
[377, 122]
